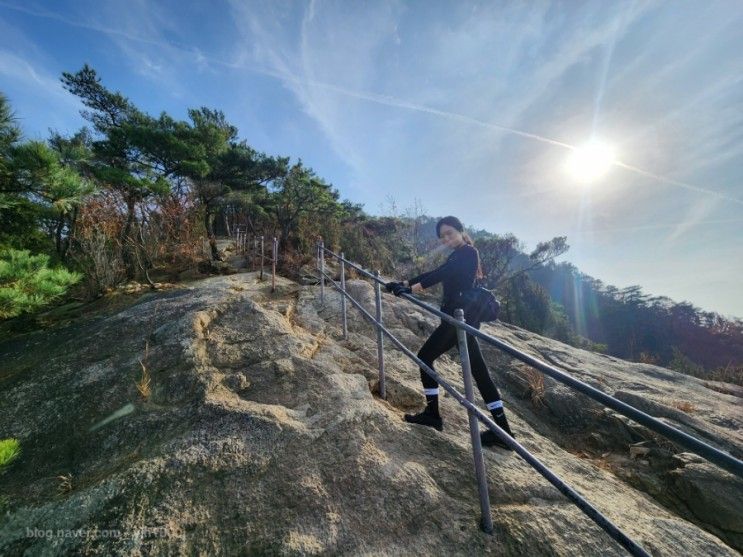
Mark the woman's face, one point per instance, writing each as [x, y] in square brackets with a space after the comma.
[450, 236]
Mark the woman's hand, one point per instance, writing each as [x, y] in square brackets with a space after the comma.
[397, 287]
[390, 286]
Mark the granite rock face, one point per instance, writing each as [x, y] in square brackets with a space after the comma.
[263, 433]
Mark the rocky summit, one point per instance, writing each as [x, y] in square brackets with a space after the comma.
[218, 418]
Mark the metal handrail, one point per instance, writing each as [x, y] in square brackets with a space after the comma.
[246, 248]
[714, 455]
[242, 247]
[473, 411]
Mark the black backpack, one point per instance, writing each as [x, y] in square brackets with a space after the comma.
[480, 306]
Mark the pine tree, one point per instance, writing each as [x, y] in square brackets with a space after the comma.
[27, 283]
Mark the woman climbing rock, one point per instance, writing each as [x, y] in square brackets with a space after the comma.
[457, 274]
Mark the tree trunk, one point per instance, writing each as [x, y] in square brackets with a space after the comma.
[58, 235]
[144, 260]
[209, 224]
[68, 240]
[226, 223]
[130, 264]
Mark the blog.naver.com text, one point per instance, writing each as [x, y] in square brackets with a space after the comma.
[101, 533]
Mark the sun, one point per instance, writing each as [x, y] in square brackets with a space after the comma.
[590, 162]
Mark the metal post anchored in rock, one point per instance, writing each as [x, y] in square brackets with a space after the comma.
[486, 521]
[343, 297]
[262, 258]
[380, 337]
[322, 272]
[274, 252]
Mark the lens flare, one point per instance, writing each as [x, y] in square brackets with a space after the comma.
[590, 162]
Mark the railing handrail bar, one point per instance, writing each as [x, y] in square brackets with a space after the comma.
[257, 251]
[583, 504]
[710, 453]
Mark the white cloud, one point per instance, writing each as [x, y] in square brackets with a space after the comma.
[35, 92]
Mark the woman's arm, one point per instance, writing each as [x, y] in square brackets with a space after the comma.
[436, 274]
[414, 283]
[460, 262]
[416, 278]
[434, 277]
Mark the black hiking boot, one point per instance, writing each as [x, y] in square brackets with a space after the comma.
[490, 439]
[426, 418]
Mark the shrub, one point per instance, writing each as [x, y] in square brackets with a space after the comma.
[27, 283]
[9, 451]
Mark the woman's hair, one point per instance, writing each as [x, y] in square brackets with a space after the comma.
[454, 222]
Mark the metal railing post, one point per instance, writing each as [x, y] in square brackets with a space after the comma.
[486, 521]
[322, 272]
[274, 251]
[380, 337]
[261, 258]
[343, 298]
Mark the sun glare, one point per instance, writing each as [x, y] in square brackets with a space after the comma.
[590, 162]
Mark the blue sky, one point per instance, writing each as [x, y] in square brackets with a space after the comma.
[470, 108]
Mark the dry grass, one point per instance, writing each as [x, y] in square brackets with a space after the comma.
[600, 461]
[684, 406]
[603, 463]
[143, 385]
[728, 374]
[535, 380]
[65, 484]
[648, 358]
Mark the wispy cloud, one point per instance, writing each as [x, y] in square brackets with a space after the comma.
[76, 22]
[678, 227]
[471, 107]
[134, 31]
[696, 215]
[300, 76]
[297, 66]
[33, 87]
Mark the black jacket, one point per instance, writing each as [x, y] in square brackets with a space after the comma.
[457, 273]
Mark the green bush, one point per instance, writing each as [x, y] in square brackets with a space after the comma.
[27, 283]
[9, 451]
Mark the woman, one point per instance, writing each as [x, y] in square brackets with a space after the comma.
[457, 274]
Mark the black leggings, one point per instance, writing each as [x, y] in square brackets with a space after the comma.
[443, 338]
